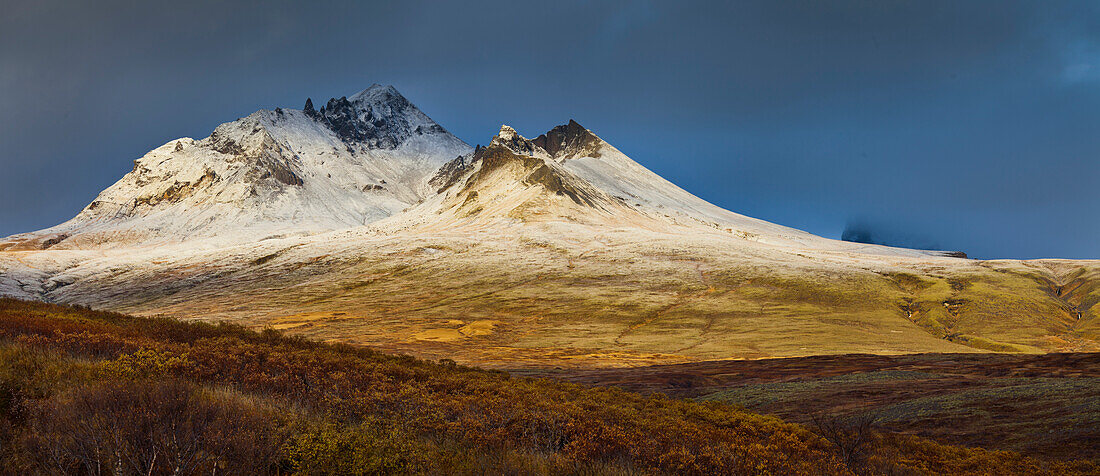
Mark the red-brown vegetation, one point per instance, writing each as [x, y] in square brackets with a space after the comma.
[91, 392]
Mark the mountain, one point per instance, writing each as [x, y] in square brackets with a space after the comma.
[569, 173]
[365, 222]
[513, 181]
[582, 153]
[272, 173]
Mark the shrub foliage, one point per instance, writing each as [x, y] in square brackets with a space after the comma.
[89, 392]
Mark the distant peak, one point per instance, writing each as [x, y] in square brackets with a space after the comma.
[507, 133]
[375, 92]
[378, 117]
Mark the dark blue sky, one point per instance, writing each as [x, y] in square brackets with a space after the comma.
[962, 125]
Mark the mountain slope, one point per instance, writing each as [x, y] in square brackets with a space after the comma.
[581, 152]
[571, 174]
[269, 174]
[514, 182]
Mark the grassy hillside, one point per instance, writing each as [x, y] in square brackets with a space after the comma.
[564, 294]
[88, 392]
[1045, 405]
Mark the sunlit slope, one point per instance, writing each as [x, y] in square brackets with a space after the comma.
[616, 298]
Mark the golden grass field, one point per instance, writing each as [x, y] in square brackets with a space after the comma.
[620, 299]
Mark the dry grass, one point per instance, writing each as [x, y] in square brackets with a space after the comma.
[621, 300]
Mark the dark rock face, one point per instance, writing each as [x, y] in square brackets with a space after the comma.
[283, 174]
[308, 109]
[378, 122]
[224, 143]
[46, 244]
[272, 161]
[517, 144]
[554, 182]
[269, 160]
[569, 141]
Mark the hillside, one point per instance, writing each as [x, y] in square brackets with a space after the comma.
[212, 398]
[1045, 405]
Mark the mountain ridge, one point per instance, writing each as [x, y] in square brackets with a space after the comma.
[272, 173]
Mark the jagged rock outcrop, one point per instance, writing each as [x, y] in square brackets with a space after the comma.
[569, 141]
[378, 117]
[308, 109]
[510, 149]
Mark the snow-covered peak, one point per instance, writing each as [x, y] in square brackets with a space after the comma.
[506, 133]
[285, 171]
[378, 117]
[375, 93]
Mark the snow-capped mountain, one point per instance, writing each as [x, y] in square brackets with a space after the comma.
[273, 173]
[512, 180]
[571, 174]
[365, 221]
[587, 156]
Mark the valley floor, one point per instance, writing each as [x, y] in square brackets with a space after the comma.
[1041, 405]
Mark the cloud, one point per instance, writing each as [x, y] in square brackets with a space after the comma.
[862, 231]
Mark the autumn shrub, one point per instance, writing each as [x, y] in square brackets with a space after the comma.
[141, 427]
[142, 364]
[134, 386]
[364, 449]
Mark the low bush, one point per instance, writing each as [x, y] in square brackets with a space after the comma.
[123, 392]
